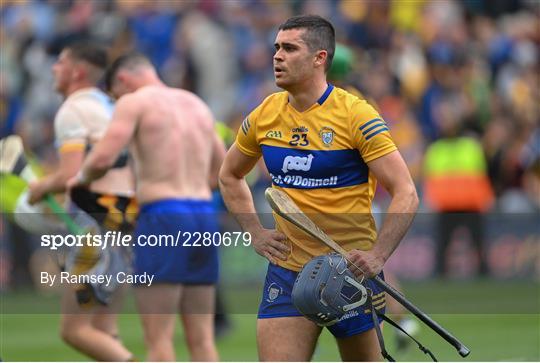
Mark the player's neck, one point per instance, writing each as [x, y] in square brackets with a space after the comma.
[305, 95]
[151, 81]
[146, 77]
[74, 87]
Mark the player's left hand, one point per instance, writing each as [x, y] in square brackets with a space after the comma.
[370, 264]
[35, 192]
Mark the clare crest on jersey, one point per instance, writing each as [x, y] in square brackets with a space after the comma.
[327, 135]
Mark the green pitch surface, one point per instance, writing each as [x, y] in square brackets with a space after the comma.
[491, 336]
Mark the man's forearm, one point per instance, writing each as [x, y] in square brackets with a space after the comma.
[54, 183]
[239, 202]
[399, 217]
[87, 175]
[94, 168]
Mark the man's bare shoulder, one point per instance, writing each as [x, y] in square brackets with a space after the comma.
[153, 90]
[142, 97]
[149, 93]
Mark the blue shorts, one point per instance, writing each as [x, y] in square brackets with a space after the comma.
[277, 303]
[183, 262]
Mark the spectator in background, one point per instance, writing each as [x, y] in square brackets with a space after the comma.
[456, 183]
[209, 51]
[446, 64]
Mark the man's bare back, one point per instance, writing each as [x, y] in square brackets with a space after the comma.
[177, 156]
[173, 143]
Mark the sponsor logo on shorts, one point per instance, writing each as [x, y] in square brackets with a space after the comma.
[348, 315]
[274, 290]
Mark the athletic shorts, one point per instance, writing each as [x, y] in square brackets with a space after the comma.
[277, 303]
[177, 261]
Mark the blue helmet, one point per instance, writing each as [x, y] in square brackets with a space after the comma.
[326, 289]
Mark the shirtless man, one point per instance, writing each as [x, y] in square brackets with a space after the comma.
[79, 123]
[177, 156]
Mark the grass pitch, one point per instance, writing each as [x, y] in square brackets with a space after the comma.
[497, 321]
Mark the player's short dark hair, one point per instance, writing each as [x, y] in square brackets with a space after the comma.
[319, 34]
[129, 60]
[89, 52]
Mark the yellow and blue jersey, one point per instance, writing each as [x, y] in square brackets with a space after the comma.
[319, 158]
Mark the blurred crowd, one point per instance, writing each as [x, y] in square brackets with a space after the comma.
[436, 70]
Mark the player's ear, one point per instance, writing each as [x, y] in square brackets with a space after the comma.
[121, 76]
[320, 58]
[78, 72]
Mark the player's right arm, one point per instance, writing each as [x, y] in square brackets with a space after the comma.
[235, 190]
[239, 161]
[119, 133]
